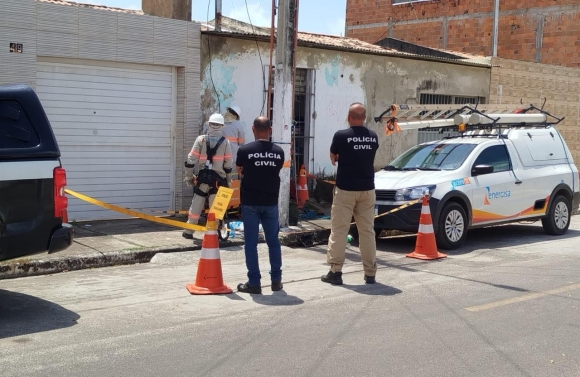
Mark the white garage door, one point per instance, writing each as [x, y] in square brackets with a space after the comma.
[114, 129]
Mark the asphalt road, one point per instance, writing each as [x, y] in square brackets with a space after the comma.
[506, 304]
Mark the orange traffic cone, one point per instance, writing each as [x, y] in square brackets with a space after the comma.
[302, 187]
[209, 279]
[426, 247]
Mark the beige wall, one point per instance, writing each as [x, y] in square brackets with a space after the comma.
[64, 31]
[512, 81]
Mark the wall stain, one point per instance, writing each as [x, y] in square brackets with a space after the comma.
[332, 73]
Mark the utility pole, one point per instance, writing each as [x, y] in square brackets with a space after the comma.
[495, 28]
[218, 15]
[283, 100]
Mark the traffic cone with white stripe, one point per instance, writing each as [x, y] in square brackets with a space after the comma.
[209, 279]
[426, 247]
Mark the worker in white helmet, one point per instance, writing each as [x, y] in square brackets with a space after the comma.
[212, 153]
[234, 129]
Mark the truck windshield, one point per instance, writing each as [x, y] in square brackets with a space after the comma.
[432, 157]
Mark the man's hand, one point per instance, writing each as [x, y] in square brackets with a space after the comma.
[333, 158]
[229, 179]
[240, 171]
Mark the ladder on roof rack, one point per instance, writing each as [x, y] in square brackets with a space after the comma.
[461, 118]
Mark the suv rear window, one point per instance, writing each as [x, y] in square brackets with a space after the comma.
[16, 130]
[433, 157]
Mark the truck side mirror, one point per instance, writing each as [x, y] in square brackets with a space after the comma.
[481, 170]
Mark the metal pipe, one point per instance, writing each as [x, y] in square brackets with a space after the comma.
[270, 84]
[218, 15]
[495, 27]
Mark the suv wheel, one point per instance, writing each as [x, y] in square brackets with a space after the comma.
[452, 226]
[558, 219]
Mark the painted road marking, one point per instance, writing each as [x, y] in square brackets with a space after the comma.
[526, 297]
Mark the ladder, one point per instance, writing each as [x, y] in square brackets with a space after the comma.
[462, 117]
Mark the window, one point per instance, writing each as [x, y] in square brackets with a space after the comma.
[496, 156]
[444, 99]
[16, 131]
[447, 156]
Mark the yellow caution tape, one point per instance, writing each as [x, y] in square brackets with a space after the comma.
[128, 212]
[395, 209]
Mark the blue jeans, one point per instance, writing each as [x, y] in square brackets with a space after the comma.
[268, 216]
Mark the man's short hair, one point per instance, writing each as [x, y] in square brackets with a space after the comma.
[262, 123]
[357, 115]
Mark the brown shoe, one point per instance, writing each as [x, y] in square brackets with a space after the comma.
[277, 286]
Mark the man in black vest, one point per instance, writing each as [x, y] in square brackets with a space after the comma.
[259, 164]
[354, 149]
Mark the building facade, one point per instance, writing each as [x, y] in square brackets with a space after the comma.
[541, 31]
[331, 74]
[121, 90]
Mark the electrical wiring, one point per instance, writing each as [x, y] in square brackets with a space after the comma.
[260, 56]
[210, 64]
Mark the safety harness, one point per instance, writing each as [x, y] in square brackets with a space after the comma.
[207, 175]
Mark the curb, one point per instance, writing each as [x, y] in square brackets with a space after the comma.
[24, 267]
[305, 239]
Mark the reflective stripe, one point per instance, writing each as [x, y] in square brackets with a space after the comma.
[241, 141]
[425, 210]
[426, 228]
[210, 253]
[193, 216]
[195, 153]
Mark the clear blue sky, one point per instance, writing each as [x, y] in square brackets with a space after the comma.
[315, 16]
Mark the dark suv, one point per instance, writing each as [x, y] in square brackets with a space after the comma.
[33, 206]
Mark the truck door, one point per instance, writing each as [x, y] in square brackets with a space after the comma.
[498, 195]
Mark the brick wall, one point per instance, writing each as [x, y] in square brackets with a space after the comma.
[514, 81]
[547, 31]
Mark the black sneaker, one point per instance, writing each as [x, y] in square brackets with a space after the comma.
[277, 286]
[334, 278]
[189, 236]
[370, 279]
[247, 288]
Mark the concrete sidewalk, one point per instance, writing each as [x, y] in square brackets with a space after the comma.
[118, 242]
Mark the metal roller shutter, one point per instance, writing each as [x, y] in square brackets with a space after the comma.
[114, 129]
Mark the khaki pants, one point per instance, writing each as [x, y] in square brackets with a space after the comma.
[197, 206]
[345, 204]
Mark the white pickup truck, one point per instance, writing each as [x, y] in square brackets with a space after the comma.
[483, 178]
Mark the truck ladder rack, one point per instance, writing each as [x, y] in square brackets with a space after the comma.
[412, 117]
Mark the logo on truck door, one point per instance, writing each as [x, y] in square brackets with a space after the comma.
[491, 195]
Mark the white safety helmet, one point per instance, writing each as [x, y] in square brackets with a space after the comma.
[216, 119]
[236, 109]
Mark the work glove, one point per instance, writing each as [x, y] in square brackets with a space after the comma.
[189, 180]
[189, 177]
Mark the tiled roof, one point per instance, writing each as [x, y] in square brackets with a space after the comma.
[232, 26]
[235, 27]
[93, 6]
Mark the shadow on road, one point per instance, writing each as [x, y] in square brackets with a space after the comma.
[514, 235]
[376, 289]
[280, 298]
[21, 314]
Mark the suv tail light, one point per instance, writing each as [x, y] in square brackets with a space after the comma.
[60, 200]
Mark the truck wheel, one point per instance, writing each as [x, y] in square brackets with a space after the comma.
[452, 227]
[558, 219]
